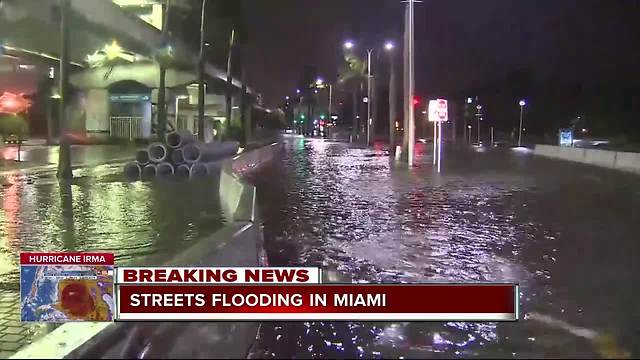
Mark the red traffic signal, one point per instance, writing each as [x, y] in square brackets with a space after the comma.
[416, 101]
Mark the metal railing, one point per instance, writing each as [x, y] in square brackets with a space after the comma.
[126, 127]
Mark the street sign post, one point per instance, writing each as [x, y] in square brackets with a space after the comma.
[438, 113]
[438, 110]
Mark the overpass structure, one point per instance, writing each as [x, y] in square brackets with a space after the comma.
[114, 49]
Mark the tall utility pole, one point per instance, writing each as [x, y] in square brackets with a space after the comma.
[409, 80]
[369, 96]
[405, 92]
[64, 157]
[162, 106]
[393, 103]
[355, 126]
[330, 100]
[201, 77]
[522, 103]
[229, 83]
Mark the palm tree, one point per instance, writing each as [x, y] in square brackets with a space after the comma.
[353, 74]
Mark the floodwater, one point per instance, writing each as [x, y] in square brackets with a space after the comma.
[140, 222]
[567, 233]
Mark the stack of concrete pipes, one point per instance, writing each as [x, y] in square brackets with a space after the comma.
[181, 156]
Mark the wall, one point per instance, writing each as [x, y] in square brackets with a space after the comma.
[618, 160]
[97, 106]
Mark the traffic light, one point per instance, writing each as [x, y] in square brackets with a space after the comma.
[416, 101]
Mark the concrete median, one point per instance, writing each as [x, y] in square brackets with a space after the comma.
[627, 161]
[602, 158]
[571, 154]
[618, 160]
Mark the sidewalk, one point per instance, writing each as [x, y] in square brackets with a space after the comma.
[43, 157]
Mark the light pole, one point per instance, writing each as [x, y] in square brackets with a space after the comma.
[522, 103]
[479, 116]
[64, 154]
[409, 85]
[369, 97]
[201, 91]
[389, 46]
[349, 45]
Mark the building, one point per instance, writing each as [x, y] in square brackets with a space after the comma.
[115, 49]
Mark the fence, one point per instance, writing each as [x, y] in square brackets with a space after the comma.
[126, 127]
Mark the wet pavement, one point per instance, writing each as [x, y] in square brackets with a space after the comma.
[42, 157]
[98, 211]
[566, 232]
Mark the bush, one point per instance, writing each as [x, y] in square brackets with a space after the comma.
[11, 124]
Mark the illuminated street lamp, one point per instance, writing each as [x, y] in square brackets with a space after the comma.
[479, 116]
[522, 103]
[388, 46]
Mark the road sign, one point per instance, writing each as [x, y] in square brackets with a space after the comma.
[438, 110]
[566, 137]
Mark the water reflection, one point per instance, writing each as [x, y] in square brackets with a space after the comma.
[142, 223]
[486, 217]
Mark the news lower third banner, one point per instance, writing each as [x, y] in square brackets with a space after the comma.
[88, 287]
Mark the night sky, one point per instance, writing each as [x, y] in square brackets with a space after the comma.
[460, 44]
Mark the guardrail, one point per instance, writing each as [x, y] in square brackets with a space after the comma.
[618, 160]
[126, 127]
[238, 243]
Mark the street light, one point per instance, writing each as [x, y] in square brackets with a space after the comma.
[319, 81]
[479, 116]
[388, 46]
[297, 91]
[522, 103]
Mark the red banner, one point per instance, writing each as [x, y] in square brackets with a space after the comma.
[66, 258]
[419, 302]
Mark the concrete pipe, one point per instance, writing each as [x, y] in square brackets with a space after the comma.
[182, 171]
[176, 157]
[142, 157]
[132, 171]
[149, 172]
[198, 171]
[199, 152]
[158, 152]
[180, 138]
[164, 170]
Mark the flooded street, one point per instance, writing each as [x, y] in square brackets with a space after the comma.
[141, 223]
[567, 233]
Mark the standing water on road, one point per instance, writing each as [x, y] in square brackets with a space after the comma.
[565, 232]
[141, 223]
